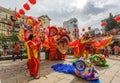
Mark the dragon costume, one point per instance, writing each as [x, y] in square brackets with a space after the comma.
[84, 45]
[99, 59]
[81, 46]
[81, 68]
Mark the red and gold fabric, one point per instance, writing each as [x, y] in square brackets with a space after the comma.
[33, 58]
[103, 43]
[17, 48]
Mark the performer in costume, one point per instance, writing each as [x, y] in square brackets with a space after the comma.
[33, 58]
[82, 46]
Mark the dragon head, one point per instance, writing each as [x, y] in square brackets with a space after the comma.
[61, 37]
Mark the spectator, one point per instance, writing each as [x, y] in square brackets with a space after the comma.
[4, 50]
[21, 50]
[116, 50]
[16, 51]
[109, 49]
[106, 53]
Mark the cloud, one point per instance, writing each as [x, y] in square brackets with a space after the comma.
[94, 13]
[91, 9]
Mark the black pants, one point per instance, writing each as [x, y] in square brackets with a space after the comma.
[17, 56]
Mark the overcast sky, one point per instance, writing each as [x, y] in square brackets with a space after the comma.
[88, 12]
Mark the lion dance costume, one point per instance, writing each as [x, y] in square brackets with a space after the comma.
[57, 43]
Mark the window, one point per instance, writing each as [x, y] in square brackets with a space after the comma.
[6, 16]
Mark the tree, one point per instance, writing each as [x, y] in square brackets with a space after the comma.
[3, 38]
[111, 23]
[14, 37]
[92, 32]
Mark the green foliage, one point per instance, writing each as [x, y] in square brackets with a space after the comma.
[3, 38]
[14, 37]
[0, 53]
[111, 23]
[92, 32]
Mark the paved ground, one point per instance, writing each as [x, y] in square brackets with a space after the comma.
[16, 72]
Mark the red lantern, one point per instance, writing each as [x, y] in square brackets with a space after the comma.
[73, 32]
[21, 11]
[32, 2]
[89, 28]
[83, 29]
[39, 20]
[11, 23]
[18, 15]
[114, 31]
[95, 36]
[117, 18]
[77, 30]
[26, 6]
[103, 24]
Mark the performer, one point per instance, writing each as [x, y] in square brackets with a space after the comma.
[33, 58]
[4, 50]
[87, 41]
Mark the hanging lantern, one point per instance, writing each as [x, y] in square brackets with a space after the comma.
[18, 15]
[32, 2]
[89, 28]
[11, 23]
[26, 6]
[83, 29]
[77, 30]
[21, 11]
[73, 32]
[103, 24]
[117, 18]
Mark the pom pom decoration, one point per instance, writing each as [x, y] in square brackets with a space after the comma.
[103, 24]
[52, 30]
[89, 28]
[117, 18]
[83, 29]
[30, 21]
